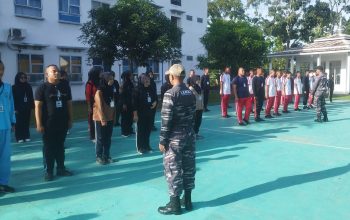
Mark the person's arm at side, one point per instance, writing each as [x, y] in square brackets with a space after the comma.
[221, 89]
[167, 118]
[38, 116]
[99, 108]
[12, 111]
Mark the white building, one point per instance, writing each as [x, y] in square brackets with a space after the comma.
[36, 33]
[333, 53]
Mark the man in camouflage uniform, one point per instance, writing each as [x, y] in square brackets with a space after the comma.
[319, 91]
[177, 141]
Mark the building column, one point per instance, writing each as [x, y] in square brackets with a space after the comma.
[319, 60]
[270, 64]
[292, 65]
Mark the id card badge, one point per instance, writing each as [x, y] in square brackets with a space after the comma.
[244, 85]
[149, 100]
[200, 98]
[262, 84]
[59, 104]
[208, 83]
[25, 99]
[1, 109]
[111, 104]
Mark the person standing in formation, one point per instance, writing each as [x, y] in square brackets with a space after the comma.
[177, 142]
[319, 91]
[297, 91]
[225, 91]
[270, 93]
[306, 88]
[250, 86]
[166, 86]
[8, 120]
[53, 113]
[286, 91]
[311, 83]
[116, 92]
[205, 85]
[259, 93]
[144, 102]
[154, 94]
[197, 91]
[90, 91]
[278, 93]
[331, 88]
[24, 103]
[126, 101]
[242, 97]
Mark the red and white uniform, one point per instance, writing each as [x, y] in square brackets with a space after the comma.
[297, 92]
[270, 93]
[287, 89]
[278, 94]
[225, 79]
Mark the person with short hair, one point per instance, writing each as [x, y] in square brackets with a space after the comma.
[8, 120]
[250, 86]
[286, 91]
[205, 85]
[225, 91]
[278, 93]
[153, 86]
[270, 92]
[319, 91]
[197, 91]
[53, 113]
[331, 88]
[242, 97]
[297, 91]
[24, 103]
[104, 115]
[311, 82]
[166, 86]
[306, 89]
[259, 93]
[177, 142]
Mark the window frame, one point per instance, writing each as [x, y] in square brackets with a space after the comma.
[70, 65]
[333, 73]
[200, 20]
[30, 72]
[28, 6]
[189, 17]
[176, 2]
[69, 16]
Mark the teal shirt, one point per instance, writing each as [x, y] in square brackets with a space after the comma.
[7, 110]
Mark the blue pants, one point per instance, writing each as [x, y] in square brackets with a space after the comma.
[5, 156]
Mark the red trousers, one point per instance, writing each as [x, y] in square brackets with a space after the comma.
[285, 101]
[269, 104]
[224, 104]
[277, 102]
[296, 101]
[309, 101]
[243, 102]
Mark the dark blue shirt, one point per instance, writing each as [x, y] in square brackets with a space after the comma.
[242, 86]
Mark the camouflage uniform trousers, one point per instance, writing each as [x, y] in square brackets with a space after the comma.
[320, 104]
[179, 164]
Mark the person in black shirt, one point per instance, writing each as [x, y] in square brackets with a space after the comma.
[306, 88]
[24, 103]
[331, 88]
[259, 93]
[166, 86]
[144, 103]
[126, 102]
[53, 113]
[116, 89]
[242, 96]
[154, 93]
[205, 85]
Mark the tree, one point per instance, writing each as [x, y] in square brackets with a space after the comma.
[132, 29]
[338, 7]
[226, 9]
[244, 45]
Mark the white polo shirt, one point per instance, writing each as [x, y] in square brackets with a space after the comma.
[271, 82]
[288, 86]
[297, 86]
[226, 83]
[278, 84]
[250, 85]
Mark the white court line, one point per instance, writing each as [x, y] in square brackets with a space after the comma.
[280, 139]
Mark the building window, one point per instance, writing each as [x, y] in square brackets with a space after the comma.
[200, 20]
[335, 71]
[69, 11]
[127, 68]
[32, 65]
[189, 58]
[28, 8]
[176, 20]
[97, 4]
[175, 2]
[153, 66]
[189, 17]
[304, 67]
[72, 65]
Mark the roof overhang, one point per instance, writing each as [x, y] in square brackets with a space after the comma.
[305, 53]
[71, 48]
[176, 11]
[34, 46]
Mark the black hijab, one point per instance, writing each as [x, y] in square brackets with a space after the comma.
[107, 90]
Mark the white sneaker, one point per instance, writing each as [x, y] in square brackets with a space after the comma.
[27, 140]
[94, 141]
[20, 141]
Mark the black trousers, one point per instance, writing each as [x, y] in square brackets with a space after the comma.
[305, 98]
[331, 95]
[117, 113]
[126, 122]
[22, 125]
[91, 126]
[154, 111]
[103, 139]
[53, 149]
[197, 120]
[259, 102]
[144, 128]
[205, 98]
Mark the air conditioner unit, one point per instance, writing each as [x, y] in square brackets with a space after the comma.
[17, 34]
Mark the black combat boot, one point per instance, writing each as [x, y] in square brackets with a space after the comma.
[325, 118]
[172, 208]
[186, 201]
[318, 119]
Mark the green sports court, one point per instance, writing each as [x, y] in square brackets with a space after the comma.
[286, 168]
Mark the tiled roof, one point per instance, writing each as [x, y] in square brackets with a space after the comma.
[331, 44]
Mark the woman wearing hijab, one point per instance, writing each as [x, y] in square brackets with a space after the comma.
[144, 103]
[24, 103]
[126, 102]
[103, 115]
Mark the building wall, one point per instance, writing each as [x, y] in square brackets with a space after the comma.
[343, 87]
[49, 34]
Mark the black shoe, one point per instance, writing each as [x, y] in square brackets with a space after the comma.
[48, 177]
[318, 120]
[325, 119]
[246, 121]
[6, 189]
[206, 110]
[63, 172]
[297, 109]
[100, 161]
[241, 124]
[277, 114]
[172, 208]
[186, 201]
[268, 116]
[286, 111]
[109, 160]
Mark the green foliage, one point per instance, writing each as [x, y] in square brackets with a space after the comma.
[134, 29]
[233, 44]
[222, 9]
